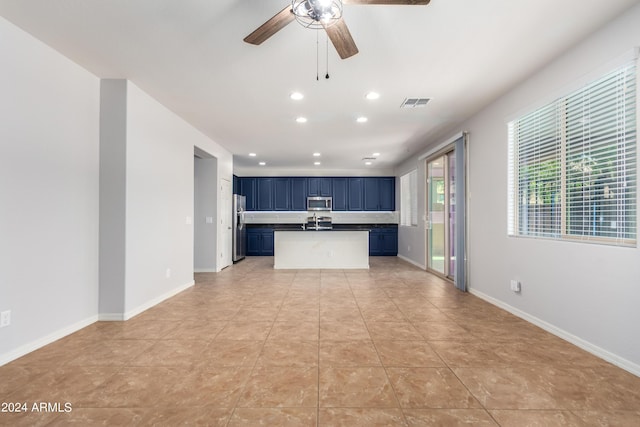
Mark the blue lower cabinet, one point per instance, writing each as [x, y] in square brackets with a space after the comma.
[259, 241]
[383, 242]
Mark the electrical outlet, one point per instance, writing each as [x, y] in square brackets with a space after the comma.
[168, 273]
[5, 318]
[515, 286]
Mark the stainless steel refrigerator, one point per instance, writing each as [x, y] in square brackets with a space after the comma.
[239, 230]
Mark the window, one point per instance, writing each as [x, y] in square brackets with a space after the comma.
[409, 199]
[572, 165]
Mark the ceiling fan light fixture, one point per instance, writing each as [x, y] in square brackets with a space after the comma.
[317, 14]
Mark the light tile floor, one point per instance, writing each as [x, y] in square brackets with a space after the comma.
[250, 346]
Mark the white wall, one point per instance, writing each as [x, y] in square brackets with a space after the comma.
[160, 199]
[586, 293]
[49, 115]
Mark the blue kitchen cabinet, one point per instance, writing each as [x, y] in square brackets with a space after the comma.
[389, 244]
[264, 194]
[379, 194]
[298, 194]
[383, 242]
[319, 187]
[248, 189]
[387, 194]
[259, 241]
[236, 185]
[339, 194]
[281, 194]
[355, 198]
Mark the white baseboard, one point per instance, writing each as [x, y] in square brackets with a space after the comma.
[48, 339]
[111, 317]
[155, 301]
[205, 270]
[410, 261]
[620, 362]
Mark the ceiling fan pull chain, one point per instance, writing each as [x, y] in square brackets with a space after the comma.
[317, 57]
[327, 75]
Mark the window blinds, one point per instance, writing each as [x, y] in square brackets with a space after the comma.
[572, 164]
[409, 199]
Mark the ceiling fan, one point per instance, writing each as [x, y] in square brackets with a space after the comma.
[326, 14]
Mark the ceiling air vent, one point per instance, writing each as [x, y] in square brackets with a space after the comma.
[414, 102]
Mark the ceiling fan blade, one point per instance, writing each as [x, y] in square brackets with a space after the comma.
[272, 26]
[398, 2]
[341, 38]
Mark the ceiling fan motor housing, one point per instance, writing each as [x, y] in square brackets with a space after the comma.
[317, 14]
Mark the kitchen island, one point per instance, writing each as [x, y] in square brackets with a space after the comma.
[330, 249]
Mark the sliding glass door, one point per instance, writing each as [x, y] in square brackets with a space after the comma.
[436, 236]
[443, 227]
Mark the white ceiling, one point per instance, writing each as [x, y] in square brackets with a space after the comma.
[189, 55]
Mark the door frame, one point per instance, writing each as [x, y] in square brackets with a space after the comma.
[459, 144]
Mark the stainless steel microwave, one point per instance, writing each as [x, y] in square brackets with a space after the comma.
[319, 203]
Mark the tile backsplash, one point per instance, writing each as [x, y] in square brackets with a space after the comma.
[358, 217]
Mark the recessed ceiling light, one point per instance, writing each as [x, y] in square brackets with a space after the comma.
[252, 154]
[296, 96]
[372, 95]
[316, 163]
[316, 154]
[376, 154]
[262, 163]
[368, 163]
[362, 120]
[301, 120]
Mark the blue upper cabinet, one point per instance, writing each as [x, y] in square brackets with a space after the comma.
[281, 194]
[248, 189]
[290, 193]
[371, 194]
[387, 200]
[379, 194]
[355, 187]
[339, 194]
[298, 194]
[265, 194]
[319, 187]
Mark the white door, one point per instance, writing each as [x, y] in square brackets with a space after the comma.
[226, 223]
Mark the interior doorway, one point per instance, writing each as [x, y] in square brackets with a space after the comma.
[205, 212]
